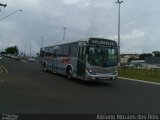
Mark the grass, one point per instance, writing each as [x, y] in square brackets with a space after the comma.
[140, 74]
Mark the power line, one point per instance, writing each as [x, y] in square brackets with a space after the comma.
[10, 14]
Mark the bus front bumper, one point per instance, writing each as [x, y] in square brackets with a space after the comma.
[102, 77]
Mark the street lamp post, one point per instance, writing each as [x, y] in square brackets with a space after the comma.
[119, 8]
[30, 49]
[11, 14]
[64, 33]
[42, 38]
[24, 50]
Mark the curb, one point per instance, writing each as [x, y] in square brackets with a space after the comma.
[142, 81]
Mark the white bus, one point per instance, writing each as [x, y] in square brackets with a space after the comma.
[92, 59]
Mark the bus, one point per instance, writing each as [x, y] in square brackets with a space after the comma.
[92, 59]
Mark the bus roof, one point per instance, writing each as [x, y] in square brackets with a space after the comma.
[74, 41]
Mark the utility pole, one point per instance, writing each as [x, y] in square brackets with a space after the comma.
[24, 50]
[30, 49]
[64, 33]
[119, 8]
[4, 5]
[42, 38]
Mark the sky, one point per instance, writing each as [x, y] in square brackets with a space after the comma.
[44, 20]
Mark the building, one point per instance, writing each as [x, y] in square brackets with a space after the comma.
[125, 57]
[153, 60]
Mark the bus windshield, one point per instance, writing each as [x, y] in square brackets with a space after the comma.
[102, 56]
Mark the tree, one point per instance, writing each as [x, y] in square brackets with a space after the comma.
[143, 56]
[132, 58]
[12, 50]
[156, 53]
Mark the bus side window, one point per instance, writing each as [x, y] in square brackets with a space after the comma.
[60, 50]
[69, 52]
[73, 50]
[66, 50]
[55, 53]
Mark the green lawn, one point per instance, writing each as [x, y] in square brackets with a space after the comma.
[147, 75]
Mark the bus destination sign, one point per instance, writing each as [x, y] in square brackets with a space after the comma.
[102, 42]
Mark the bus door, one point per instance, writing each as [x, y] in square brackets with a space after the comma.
[54, 61]
[81, 62]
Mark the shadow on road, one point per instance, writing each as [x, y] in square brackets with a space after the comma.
[86, 83]
[92, 83]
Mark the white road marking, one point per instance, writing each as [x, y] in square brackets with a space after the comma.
[5, 70]
[25, 61]
[148, 82]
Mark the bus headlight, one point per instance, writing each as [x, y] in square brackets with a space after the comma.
[115, 73]
[91, 71]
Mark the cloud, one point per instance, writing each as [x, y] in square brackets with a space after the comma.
[83, 18]
[90, 3]
[71, 2]
[102, 3]
[134, 41]
[133, 35]
[25, 4]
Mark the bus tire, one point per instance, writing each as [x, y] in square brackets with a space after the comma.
[45, 67]
[69, 73]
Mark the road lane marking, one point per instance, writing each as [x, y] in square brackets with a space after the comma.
[24, 61]
[1, 70]
[4, 69]
[142, 81]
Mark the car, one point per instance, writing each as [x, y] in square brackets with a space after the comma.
[32, 59]
[156, 67]
[129, 66]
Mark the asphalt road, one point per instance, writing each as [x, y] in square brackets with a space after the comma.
[26, 88]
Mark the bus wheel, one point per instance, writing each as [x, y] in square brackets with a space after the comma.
[45, 67]
[69, 73]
